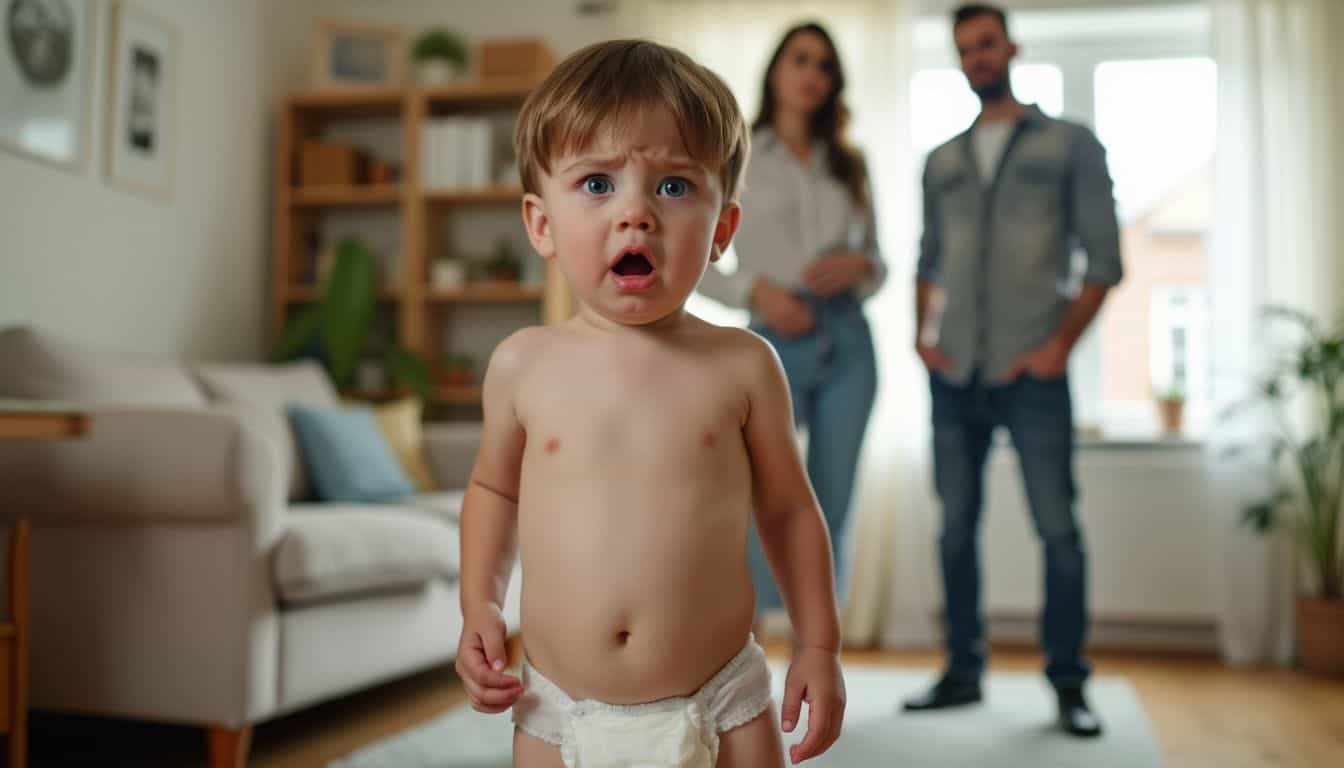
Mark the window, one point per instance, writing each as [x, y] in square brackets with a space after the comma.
[1157, 119]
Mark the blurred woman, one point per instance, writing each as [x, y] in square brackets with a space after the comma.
[807, 257]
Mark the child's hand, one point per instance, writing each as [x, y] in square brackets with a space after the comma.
[481, 659]
[814, 677]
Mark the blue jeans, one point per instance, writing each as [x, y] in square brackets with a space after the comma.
[1038, 416]
[832, 373]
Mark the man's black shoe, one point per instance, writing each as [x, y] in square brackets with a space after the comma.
[949, 692]
[1075, 717]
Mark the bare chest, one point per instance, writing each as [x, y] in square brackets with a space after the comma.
[638, 413]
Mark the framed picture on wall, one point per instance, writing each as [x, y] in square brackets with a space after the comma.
[351, 53]
[45, 78]
[142, 101]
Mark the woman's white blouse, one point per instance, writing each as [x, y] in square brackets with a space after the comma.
[793, 212]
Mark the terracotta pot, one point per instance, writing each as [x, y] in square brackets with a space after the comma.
[1170, 412]
[1320, 634]
[457, 377]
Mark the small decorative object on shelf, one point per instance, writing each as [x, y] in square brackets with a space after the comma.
[383, 172]
[522, 57]
[440, 57]
[350, 53]
[448, 274]
[459, 371]
[332, 163]
[504, 265]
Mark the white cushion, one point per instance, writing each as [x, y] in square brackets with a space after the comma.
[268, 389]
[444, 505]
[38, 365]
[338, 549]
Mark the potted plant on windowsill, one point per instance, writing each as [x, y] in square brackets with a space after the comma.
[1170, 409]
[1308, 465]
[440, 57]
[338, 328]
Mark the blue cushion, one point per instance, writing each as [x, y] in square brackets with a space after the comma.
[347, 456]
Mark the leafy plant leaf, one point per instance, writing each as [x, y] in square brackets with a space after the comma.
[1259, 517]
[299, 333]
[347, 308]
[406, 367]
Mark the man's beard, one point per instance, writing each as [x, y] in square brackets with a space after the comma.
[993, 91]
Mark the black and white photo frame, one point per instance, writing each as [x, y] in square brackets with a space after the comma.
[46, 79]
[142, 101]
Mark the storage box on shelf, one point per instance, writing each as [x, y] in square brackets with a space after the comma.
[421, 210]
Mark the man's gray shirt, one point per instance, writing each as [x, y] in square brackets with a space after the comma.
[1001, 251]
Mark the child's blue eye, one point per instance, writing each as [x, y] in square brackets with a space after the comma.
[597, 185]
[675, 187]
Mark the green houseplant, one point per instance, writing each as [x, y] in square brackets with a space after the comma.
[440, 56]
[338, 327]
[1170, 409]
[1308, 494]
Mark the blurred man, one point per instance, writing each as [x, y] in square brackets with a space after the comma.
[1005, 205]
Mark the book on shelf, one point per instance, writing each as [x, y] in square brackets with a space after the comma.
[457, 152]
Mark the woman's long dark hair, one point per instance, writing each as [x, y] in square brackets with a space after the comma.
[828, 122]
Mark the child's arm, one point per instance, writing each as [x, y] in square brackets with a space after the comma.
[489, 525]
[793, 535]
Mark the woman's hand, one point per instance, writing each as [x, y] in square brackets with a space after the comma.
[836, 272]
[785, 313]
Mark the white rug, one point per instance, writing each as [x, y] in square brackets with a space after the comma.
[1013, 728]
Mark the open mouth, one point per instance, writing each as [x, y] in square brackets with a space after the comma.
[633, 264]
[633, 272]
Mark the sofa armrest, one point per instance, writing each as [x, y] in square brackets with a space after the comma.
[149, 465]
[452, 452]
[151, 564]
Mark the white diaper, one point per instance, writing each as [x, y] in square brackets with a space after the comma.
[680, 732]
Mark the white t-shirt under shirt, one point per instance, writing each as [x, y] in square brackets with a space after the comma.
[989, 140]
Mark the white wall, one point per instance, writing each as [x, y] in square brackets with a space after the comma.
[105, 265]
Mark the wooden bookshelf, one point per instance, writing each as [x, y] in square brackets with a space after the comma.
[419, 306]
[304, 294]
[367, 194]
[488, 292]
[465, 196]
[460, 395]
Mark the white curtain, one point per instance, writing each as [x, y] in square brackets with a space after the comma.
[894, 592]
[1277, 240]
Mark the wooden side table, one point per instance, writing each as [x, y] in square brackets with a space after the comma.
[20, 422]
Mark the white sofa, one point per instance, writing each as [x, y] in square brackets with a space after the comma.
[177, 571]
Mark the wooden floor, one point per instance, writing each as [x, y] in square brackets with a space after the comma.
[1205, 715]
